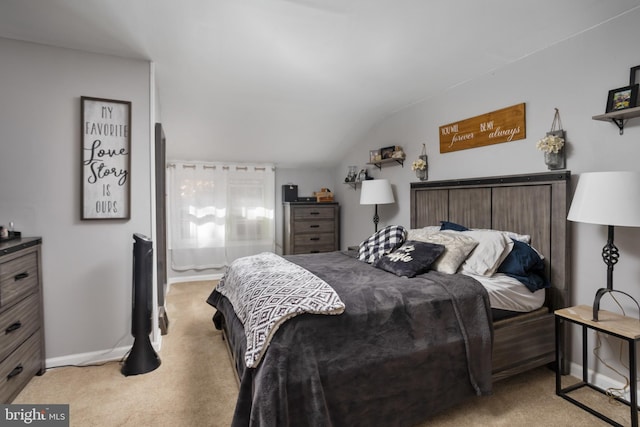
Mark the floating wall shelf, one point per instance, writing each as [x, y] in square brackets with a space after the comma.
[353, 184]
[379, 164]
[618, 117]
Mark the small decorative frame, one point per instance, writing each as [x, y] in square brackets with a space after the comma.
[387, 152]
[622, 98]
[634, 76]
[374, 156]
[105, 131]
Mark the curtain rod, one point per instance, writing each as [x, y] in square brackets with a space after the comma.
[224, 167]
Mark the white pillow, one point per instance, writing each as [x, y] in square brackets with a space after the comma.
[457, 247]
[418, 233]
[493, 247]
[519, 237]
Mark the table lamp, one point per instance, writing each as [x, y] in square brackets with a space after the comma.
[376, 192]
[611, 199]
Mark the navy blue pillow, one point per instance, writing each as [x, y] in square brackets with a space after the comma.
[446, 225]
[521, 260]
[524, 263]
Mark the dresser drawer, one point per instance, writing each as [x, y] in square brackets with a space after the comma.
[322, 226]
[19, 367]
[314, 239]
[313, 212]
[18, 278]
[314, 249]
[18, 323]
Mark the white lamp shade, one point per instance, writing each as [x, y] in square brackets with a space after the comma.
[607, 198]
[376, 192]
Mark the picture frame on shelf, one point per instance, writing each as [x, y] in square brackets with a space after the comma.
[622, 98]
[374, 156]
[634, 76]
[387, 152]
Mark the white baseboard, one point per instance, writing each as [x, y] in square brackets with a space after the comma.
[181, 279]
[200, 278]
[599, 380]
[94, 357]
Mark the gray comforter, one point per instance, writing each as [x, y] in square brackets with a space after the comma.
[403, 350]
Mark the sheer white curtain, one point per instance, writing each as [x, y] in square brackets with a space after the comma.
[219, 212]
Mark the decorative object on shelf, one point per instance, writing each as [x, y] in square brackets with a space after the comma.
[363, 175]
[376, 192]
[420, 166]
[622, 98]
[398, 153]
[504, 125]
[607, 198]
[351, 175]
[387, 152]
[634, 75]
[374, 156]
[552, 145]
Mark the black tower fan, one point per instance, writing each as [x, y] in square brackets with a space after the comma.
[142, 357]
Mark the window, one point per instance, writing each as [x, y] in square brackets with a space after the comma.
[219, 212]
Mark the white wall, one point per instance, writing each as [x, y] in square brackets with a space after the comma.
[574, 76]
[86, 265]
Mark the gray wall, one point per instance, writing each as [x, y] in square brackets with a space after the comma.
[574, 76]
[86, 264]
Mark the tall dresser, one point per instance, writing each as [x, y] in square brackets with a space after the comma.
[311, 227]
[21, 315]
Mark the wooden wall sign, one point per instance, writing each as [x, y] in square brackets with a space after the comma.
[505, 125]
[106, 159]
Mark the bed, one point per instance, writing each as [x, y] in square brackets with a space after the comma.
[406, 349]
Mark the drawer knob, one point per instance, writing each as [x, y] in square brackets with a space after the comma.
[21, 276]
[314, 226]
[14, 326]
[16, 371]
[314, 213]
[314, 238]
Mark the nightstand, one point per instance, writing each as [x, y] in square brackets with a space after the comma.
[623, 327]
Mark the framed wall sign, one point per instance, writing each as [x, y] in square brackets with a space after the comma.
[504, 125]
[106, 158]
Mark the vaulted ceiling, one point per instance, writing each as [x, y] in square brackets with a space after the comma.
[295, 82]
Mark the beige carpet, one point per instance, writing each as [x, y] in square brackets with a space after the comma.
[195, 386]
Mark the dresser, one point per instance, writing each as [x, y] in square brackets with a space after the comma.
[311, 227]
[21, 315]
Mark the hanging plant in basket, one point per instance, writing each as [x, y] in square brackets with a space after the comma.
[420, 166]
[553, 145]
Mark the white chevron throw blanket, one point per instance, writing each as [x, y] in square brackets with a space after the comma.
[266, 290]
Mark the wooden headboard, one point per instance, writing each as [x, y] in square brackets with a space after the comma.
[535, 204]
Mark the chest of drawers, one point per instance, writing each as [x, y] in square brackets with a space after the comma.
[311, 227]
[21, 320]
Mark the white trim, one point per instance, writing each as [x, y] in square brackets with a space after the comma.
[179, 279]
[155, 328]
[94, 357]
[598, 379]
